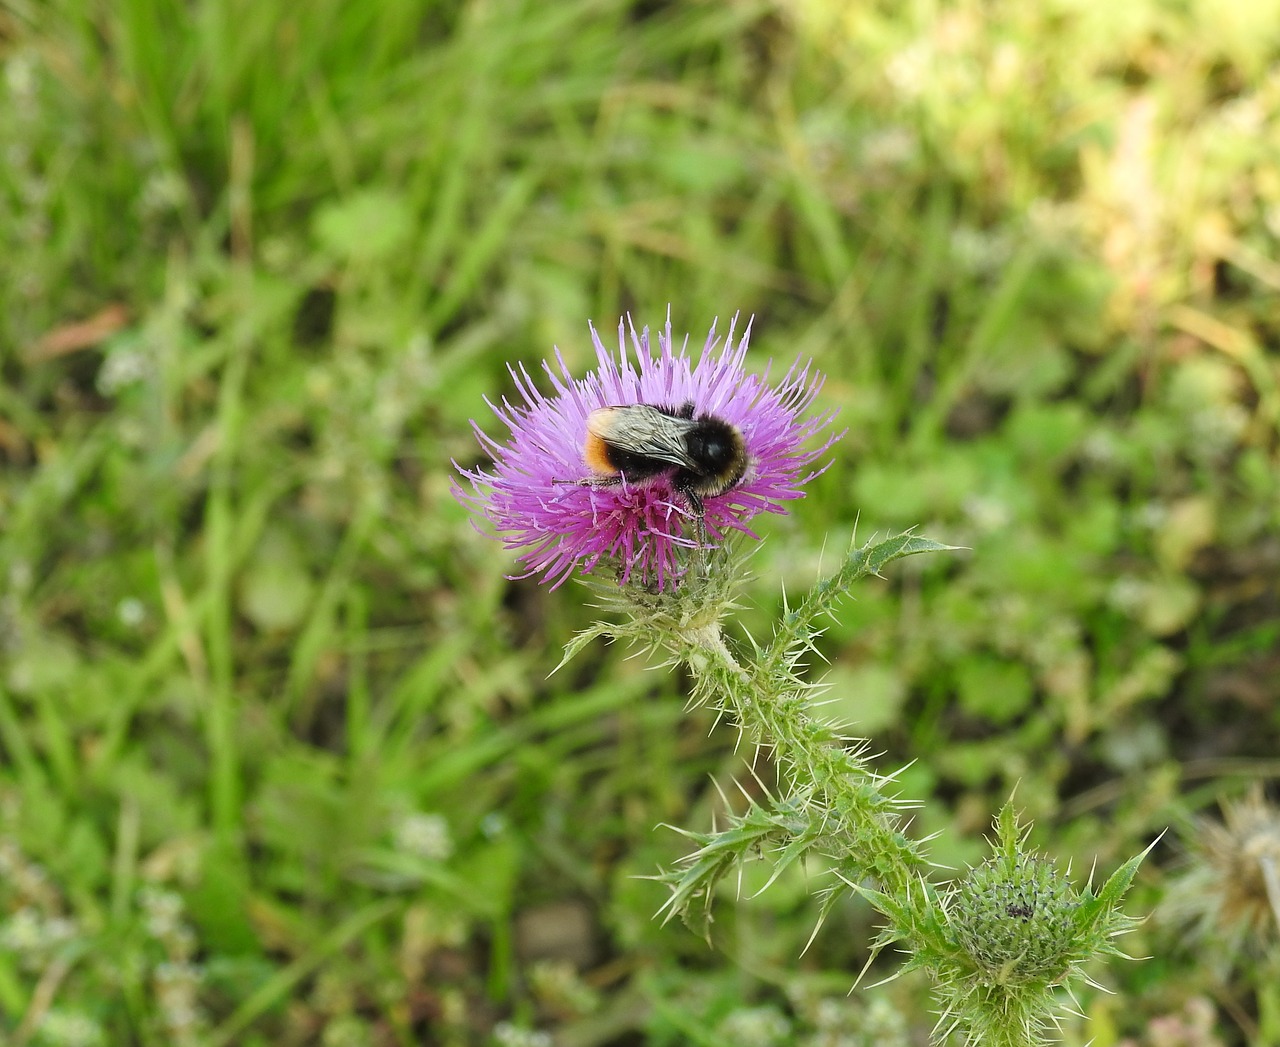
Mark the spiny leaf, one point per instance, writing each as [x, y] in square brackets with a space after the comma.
[868, 560]
[581, 640]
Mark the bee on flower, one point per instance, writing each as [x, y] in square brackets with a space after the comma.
[648, 455]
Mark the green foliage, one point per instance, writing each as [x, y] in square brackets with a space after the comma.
[263, 261]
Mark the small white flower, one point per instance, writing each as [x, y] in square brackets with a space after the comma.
[131, 612]
[508, 1034]
[66, 1029]
[423, 836]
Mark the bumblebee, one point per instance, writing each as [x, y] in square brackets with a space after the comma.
[704, 456]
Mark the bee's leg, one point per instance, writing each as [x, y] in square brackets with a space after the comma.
[592, 481]
[701, 543]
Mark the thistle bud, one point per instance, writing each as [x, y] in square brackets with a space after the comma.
[1014, 916]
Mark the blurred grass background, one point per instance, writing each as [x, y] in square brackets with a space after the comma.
[281, 760]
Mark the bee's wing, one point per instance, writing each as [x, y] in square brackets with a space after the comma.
[643, 430]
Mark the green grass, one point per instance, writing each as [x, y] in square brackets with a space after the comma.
[251, 646]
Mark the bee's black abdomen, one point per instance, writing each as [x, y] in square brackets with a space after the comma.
[634, 466]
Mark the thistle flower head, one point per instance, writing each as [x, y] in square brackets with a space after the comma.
[561, 517]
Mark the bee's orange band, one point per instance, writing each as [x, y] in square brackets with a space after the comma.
[596, 453]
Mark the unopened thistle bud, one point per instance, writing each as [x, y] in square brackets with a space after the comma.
[1002, 943]
[1014, 917]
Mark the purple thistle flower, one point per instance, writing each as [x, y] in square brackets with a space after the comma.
[536, 496]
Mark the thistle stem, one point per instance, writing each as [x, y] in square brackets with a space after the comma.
[862, 825]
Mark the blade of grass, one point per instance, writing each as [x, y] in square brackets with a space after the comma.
[279, 986]
[220, 517]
